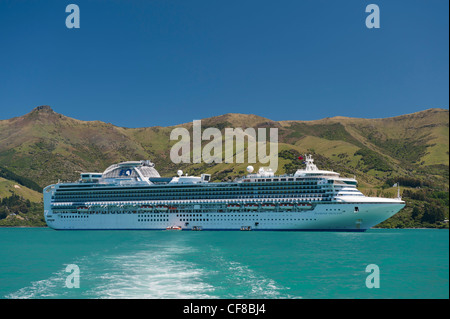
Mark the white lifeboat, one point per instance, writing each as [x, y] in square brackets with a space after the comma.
[304, 206]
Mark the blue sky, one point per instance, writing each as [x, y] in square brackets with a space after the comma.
[162, 62]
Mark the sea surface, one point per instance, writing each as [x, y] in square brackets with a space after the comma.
[410, 263]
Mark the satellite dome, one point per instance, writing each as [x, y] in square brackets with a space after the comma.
[179, 172]
[250, 169]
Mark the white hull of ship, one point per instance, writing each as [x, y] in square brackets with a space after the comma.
[328, 217]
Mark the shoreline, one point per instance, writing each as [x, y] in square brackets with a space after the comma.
[24, 227]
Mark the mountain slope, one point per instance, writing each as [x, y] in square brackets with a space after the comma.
[46, 146]
[8, 188]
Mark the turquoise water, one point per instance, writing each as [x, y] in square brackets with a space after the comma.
[171, 264]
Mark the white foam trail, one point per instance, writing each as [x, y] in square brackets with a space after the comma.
[152, 274]
[250, 283]
[46, 288]
[158, 272]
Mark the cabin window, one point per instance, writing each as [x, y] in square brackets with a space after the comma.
[356, 209]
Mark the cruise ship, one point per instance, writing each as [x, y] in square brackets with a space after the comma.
[133, 196]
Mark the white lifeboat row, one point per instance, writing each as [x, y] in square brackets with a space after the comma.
[269, 206]
[233, 206]
[158, 207]
[252, 206]
[142, 208]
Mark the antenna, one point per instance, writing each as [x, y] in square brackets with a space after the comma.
[398, 191]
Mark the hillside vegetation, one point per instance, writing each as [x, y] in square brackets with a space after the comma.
[44, 147]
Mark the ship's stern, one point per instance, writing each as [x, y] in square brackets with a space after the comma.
[48, 212]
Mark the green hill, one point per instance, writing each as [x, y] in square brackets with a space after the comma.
[19, 205]
[8, 188]
[44, 147]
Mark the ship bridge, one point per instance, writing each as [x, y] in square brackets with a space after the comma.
[311, 170]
